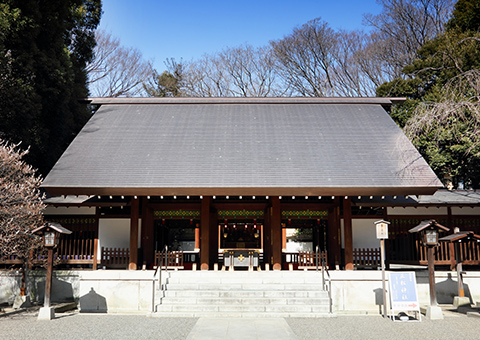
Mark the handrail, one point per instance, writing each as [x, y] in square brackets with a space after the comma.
[324, 286]
[163, 256]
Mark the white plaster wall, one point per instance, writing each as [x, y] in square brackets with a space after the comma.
[417, 211]
[131, 290]
[115, 233]
[364, 233]
[69, 211]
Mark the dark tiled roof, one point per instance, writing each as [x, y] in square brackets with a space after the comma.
[241, 147]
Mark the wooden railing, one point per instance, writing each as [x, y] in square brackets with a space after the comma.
[174, 259]
[77, 248]
[308, 259]
[10, 260]
[408, 250]
[115, 257]
[366, 258]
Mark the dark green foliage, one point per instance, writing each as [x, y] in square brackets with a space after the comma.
[466, 16]
[436, 87]
[43, 56]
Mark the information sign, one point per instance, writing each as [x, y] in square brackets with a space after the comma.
[403, 292]
[382, 230]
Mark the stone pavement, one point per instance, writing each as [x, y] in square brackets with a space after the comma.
[241, 329]
[115, 326]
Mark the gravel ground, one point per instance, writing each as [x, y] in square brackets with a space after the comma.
[375, 327]
[73, 326]
[112, 326]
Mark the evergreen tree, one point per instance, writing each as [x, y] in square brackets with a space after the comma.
[442, 111]
[44, 50]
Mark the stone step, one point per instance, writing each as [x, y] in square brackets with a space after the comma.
[216, 314]
[244, 286]
[255, 280]
[244, 294]
[242, 308]
[244, 301]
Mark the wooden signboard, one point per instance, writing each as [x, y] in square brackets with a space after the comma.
[403, 293]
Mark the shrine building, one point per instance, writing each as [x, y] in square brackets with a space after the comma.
[261, 179]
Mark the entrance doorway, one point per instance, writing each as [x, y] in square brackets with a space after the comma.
[241, 234]
[177, 234]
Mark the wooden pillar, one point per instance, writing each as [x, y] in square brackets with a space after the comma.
[214, 235]
[134, 215]
[147, 240]
[334, 255]
[276, 228]
[267, 236]
[284, 238]
[95, 240]
[205, 233]
[197, 237]
[348, 233]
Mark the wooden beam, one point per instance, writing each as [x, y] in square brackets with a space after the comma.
[134, 215]
[348, 233]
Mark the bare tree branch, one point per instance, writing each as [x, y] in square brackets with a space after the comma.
[116, 71]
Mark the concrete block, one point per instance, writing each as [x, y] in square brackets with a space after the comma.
[461, 301]
[434, 313]
[46, 313]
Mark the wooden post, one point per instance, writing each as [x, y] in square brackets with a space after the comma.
[431, 276]
[147, 232]
[334, 235]
[284, 238]
[276, 225]
[95, 240]
[458, 259]
[384, 290]
[197, 237]
[205, 233]
[48, 282]
[348, 233]
[134, 215]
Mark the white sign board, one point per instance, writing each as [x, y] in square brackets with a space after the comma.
[382, 231]
[403, 292]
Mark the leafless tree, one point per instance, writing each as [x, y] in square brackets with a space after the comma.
[21, 203]
[116, 71]
[243, 71]
[305, 58]
[404, 26]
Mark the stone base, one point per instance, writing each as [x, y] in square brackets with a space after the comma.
[461, 301]
[46, 313]
[21, 301]
[434, 313]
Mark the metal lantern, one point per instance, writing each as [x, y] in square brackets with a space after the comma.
[430, 237]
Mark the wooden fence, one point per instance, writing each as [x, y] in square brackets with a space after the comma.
[409, 250]
[77, 248]
[173, 259]
[307, 259]
[115, 257]
[366, 258]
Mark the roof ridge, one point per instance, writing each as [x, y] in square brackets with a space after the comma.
[243, 100]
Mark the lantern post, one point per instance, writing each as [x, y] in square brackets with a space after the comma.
[50, 233]
[429, 231]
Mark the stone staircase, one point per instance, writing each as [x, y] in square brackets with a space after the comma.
[242, 294]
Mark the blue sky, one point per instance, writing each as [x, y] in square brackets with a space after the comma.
[189, 29]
